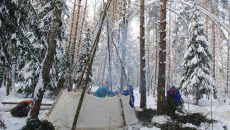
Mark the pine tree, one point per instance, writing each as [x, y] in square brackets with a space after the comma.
[197, 79]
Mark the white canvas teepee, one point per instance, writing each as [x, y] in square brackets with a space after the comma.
[96, 113]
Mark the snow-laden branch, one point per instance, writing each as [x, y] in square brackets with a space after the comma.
[180, 17]
[220, 25]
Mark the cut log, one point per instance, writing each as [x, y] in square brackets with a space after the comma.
[43, 104]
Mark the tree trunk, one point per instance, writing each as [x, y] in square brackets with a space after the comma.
[114, 5]
[123, 27]
[88, 66]
[75, 35]
[206, 19]
[228, 58]
[161, 107]
[49, 59]
[169, 52]
[104, 66]
[213, 10]
[109, 54]
[148, 64]
[1, 77]
[156, 59]
[72, 23]
[9, 84]
[82, 26]
[142, 56]
[60, 84]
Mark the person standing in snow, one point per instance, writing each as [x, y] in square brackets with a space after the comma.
[174, 100]
[104, 90]
[129, 92]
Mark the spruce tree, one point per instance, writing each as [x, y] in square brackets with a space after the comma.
[8, 27]
[14, 40]
[197, 79]
[83, 56]
[28, 64]
[37, 26]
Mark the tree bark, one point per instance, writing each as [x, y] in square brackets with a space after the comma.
[60, 85]
[109, 54]
[213, 10]
[206, 19]
[142, 56]
[161, 107]
[49, 59]
[75, 35]
[71, 27]
[169, 52]
[9, 84]
[228, 57]
[82, 26]
[123, 27]
[156, 50]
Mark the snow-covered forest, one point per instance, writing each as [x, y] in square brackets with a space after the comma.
[48, 47]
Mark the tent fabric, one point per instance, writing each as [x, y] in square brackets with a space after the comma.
[96, 113]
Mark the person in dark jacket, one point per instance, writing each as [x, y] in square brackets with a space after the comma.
[174, 100]
[129, 92]
[104, 90]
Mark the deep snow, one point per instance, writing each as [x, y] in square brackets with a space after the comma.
[221, 112]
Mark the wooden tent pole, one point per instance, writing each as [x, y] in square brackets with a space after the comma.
[122, 111]
[88, 66]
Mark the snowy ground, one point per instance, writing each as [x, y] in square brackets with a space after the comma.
[221, 113]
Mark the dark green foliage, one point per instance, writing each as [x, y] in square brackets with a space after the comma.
[2, 125]
[36, 124]
[46, 125]
[32, 124]
[146, 115]
[175, 126]
[176, 123]
[8, 27]
[21, 110]
[195, 119]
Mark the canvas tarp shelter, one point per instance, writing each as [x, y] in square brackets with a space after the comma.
[96, 113]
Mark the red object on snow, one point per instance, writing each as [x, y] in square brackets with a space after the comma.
[26, 102]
